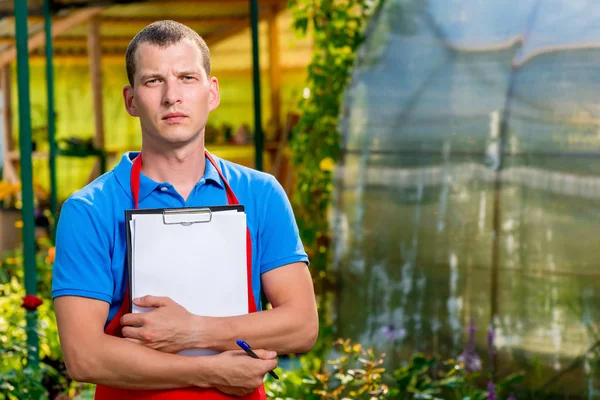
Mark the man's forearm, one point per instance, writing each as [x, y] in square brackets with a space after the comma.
[284, 329]
[120, 363]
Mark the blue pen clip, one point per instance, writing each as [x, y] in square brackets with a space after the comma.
[246, 347]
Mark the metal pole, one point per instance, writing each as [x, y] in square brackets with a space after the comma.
[51, 114]
[258, 134]
[22, 36]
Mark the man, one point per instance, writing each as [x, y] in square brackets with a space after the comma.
[133, 356]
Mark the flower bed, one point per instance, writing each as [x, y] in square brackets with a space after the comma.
[348, 372]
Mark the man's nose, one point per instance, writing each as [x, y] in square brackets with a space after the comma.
[172, 93]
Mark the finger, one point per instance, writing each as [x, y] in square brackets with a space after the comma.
[265, 354]
[152, 301]
[133, 333]
[269, 365]
[133, 319]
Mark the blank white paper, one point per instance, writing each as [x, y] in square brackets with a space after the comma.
[201, 266]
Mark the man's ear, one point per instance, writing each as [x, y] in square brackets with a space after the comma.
[214, 98]
[128, 98]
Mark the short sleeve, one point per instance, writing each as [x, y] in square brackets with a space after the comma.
[280, 239]
[82, 264]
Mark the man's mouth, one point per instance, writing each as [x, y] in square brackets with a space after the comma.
[174, 117]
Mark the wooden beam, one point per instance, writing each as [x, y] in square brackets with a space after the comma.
[207, 3]
[223, 34]
[166, 3]
[7, 107]
[16, 156]
[275, 89]
[119, 58]
[123, 42]
[95, 62]
[274, 71]
[214, 38]
[9, 172]
[61, 26]
[80, 41]
[184, 19]
[190, 21]
[114, 53]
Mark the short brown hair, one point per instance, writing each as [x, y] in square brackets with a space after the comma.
[164, 34]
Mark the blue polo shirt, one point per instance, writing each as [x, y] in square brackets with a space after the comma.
[91, 248]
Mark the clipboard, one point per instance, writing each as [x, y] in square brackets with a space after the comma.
[196, 256]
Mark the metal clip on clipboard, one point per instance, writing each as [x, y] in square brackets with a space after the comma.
[187, 216]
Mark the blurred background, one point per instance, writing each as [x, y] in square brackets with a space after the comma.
[89, 44]
[442, 158]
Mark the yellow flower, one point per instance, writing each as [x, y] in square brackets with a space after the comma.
[327, 164]
[19, 224]
[51, 254]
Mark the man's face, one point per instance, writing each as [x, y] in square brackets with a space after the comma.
[172, 95]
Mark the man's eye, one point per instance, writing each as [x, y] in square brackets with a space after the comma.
[151, 81]
[188, 78]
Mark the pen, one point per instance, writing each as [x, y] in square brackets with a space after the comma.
[246, 347]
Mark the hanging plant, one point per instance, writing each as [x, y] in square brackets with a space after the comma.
[337, 27]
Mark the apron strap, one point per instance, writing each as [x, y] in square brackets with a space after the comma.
[136, 171]
[231, 199]
[114, 326]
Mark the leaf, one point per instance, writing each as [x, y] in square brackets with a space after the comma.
[511, 380]
[451, 382]
[301, 26]
[422, 396]
[403, 380]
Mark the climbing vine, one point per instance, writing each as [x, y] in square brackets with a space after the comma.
[337, 27]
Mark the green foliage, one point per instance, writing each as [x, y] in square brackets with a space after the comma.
[23, 383]
[337, 28]
[17, 379]
[358, 373]
[297, 383]
[352, 373]
[426, 378]
[414, 378]
[12, 322]
[355, 374]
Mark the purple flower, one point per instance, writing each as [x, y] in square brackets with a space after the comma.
[512, 397]
[391, 333]
[492, 395]
[490, 341]
[471, 361]
[469, 356]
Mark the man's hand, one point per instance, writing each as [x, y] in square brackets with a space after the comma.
[238, 374]
[168, 328]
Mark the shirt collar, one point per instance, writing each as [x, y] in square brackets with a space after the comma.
[147, 185]
[211, 174]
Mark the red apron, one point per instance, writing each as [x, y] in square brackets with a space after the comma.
[114, 326]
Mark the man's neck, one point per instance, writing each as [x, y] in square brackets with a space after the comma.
[182, 167]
